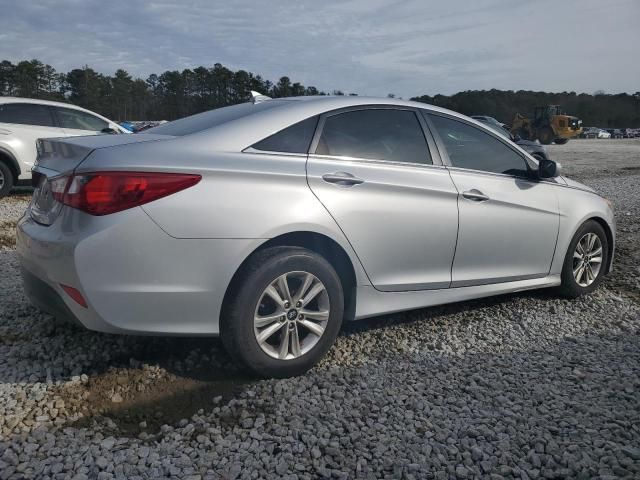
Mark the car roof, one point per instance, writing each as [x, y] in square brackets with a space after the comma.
[39, 101]
[248, 130]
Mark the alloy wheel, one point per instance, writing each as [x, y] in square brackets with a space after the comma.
[291, 315]
[587, 259]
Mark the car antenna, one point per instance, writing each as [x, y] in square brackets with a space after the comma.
[257, 97]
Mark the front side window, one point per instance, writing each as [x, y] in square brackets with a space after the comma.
[376, 134]
[79, 120]
[26, 114]
[294, 139]
[469, 147]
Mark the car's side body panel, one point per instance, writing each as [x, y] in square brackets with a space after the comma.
[372, 302]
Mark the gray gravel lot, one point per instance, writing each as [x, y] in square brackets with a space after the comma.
[520, 386]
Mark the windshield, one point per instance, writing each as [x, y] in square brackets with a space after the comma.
[212, 118]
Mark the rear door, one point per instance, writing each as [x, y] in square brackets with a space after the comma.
[76, 122]
[374, 171]
[23, 124]
[508, 219]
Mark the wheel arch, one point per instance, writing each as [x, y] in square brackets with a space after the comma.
[319, 243]
[10, 160]
[610, 240]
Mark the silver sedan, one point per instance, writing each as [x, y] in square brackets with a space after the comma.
[268, 223]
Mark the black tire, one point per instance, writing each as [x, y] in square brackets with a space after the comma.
[237, 319]
[561, 141]
[569, 287]
[546, 136]
[6, 179]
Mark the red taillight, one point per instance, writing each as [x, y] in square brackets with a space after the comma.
[102, 193]
[75, 295]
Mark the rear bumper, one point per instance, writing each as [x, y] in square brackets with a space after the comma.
[43, 296]
[135, 278]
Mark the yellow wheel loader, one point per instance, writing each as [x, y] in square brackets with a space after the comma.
[549, 124]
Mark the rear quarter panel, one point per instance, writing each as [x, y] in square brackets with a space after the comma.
[240, 196]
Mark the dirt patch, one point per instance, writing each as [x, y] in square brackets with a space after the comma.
[144, 399]
[7, 234]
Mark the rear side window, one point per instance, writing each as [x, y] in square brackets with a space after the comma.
[79, 120]
[26, 114]
[377, 134]
[294, 139]
[213, 118]
[469, 147]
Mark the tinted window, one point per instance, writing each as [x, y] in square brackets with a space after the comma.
[26, 114]
[213, 118]
[382, 134]
[294, 139]
[79, 120]
[470, 147]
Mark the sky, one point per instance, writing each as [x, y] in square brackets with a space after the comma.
[369, 47]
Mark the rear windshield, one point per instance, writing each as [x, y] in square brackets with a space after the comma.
[212, 118]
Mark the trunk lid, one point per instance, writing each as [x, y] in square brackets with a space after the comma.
[63, 155]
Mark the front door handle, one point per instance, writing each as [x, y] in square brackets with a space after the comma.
[475, 195]
[342, 178]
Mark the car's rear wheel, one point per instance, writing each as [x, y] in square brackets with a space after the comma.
[560, 141]
[284, 311]
[586, 260]
[6, 179]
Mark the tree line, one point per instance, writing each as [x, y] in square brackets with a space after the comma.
[166, 96]
[174, 94]
[598, 110]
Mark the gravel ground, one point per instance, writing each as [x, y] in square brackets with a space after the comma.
[520, 386]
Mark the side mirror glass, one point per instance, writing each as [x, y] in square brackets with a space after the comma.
[548, 169]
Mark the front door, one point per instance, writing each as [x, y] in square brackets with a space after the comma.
[508, 220]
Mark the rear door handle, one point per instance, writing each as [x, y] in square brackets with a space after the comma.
[475, 195]
[342, 178]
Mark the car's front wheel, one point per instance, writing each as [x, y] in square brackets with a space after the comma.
[586, 260]
[284, 311]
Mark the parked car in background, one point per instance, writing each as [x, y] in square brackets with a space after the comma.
[534, 148]
[589, 132]
[24, 120]
[603, 134]
[269, 223]
[615, 133]
[627, 133]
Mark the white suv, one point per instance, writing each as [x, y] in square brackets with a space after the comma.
[24, 120]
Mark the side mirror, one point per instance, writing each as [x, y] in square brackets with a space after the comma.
[108, 130]
[548, 169]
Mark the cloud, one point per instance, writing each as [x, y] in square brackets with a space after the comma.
[370, 47]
